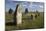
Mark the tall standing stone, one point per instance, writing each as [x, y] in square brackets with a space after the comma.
[19, 14]
[15, 14]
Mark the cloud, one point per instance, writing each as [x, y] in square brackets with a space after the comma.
[24, 5]
[18, 0]
[41, 6]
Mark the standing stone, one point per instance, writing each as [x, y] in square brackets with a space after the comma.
[19, 14]
[38, 14]
[35, 16]
[15, 14]
[31, 17]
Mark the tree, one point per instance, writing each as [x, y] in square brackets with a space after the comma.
[10, 11]
[26, 10]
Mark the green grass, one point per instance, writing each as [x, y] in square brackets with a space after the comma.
[27, 22]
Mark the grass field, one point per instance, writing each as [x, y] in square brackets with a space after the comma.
[27, 23]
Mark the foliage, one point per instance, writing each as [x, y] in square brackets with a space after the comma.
[26, 10]
[10, 11]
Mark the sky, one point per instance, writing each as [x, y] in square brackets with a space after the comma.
[32, 6]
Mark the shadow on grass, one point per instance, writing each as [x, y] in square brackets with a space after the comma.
[10, 24]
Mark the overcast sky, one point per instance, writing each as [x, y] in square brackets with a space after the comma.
[30, 5]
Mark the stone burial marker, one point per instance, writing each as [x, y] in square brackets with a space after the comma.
[18, 14]
[32, 16]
